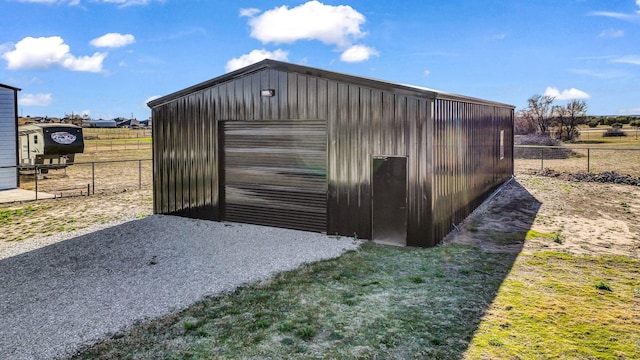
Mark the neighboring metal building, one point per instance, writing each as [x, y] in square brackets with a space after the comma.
[9, 178]
[292, 146]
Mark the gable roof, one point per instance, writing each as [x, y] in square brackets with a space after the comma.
[10, 87]
[326, 74]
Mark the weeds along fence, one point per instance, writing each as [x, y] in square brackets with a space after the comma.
[115, 133]
[528, 158]
[117, 144]
[107, 139]
[597, 134]
[88, 178]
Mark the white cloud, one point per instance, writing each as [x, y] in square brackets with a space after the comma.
[336, 25]
[426, 72]
[253, 57]
[569, 94]
[121, 3]
[49, 52]
[629, 59]
[125, 3]
[610, 33]
[633, 111]
[632, 17]
[358, 53]
[151, 98]
[249, 12]
[113, 40]
[35, 99]
[611, 74]
[43, 1]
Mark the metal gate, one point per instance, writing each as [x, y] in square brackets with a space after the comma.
[275, 173]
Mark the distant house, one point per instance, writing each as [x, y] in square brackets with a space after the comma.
[9, 178]
[100, 123]
[128, 123]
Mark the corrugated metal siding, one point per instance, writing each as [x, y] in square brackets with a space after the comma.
[275, 173]
[467, 165]
[363, 122]
[185, 158]
[186, 146]
[8, 146]
[451, 146]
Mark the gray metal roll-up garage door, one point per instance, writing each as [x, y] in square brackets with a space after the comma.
[275, 173]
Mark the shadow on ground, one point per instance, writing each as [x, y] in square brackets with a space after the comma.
[377, 302]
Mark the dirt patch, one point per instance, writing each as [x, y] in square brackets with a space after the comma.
[26, 221]
[535, 213]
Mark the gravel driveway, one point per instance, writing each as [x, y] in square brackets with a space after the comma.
[56, 300]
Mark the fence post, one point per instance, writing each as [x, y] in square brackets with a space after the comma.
[588, 160]
[93, 177]
[35, 176]
[139, 174]
[542, 159]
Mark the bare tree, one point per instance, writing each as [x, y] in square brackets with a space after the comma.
[539, 110]
[524, 124]
[567, 118]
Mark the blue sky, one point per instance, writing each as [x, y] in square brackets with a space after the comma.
[107, 58]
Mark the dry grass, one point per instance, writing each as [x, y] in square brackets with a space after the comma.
[114, 171]
[549, 270]
[505, 287]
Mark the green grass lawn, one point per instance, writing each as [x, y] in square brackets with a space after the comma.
[555, 305]
[381, 302]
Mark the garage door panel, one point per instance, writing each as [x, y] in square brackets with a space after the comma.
[289, 179]
[275, 173]
[310, 162]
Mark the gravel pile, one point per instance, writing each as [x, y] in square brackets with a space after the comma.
[603, 177]
[64, 297]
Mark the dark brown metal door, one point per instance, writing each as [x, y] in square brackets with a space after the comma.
[275, 173]
[389, 200]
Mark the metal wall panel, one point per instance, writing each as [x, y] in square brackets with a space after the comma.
[467, 164]
[8, 139]
[275, 173]
[451, 144]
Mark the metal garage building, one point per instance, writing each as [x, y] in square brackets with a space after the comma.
[8, 137]
[297, 147]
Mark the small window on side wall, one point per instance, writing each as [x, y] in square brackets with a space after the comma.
[35, 139]
[501, 144]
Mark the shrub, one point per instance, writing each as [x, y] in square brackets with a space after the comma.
[593, 123]
[614, 131]
[602, 285]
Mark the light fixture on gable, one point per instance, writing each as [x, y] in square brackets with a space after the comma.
[268, 92]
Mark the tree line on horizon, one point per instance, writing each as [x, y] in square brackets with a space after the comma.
[561, 122]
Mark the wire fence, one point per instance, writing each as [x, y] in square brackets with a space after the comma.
[598, 134]
[87, 178]
[110, 145]
[115, 133]
[528, 158]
